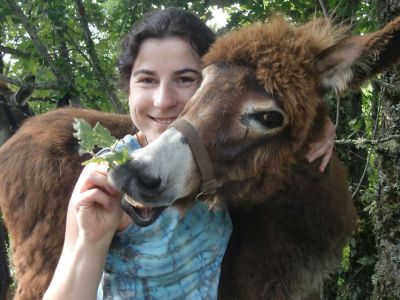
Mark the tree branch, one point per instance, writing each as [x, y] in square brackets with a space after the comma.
[37, 86]
[363, 141]
[13, 51]
[42, 99]
[60, 30]
[323, 7]
[40, 47]
[93, 59]
[386, 85]
[76, 47]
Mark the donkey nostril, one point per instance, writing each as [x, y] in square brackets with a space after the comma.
[149, 182]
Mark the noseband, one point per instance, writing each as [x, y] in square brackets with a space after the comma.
[209, 183]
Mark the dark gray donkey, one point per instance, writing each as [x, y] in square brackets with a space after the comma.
[14, 108]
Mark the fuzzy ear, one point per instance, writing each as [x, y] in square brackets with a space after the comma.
[25, 92]
[355, 59]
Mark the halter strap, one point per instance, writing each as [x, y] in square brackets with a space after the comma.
[201, 157]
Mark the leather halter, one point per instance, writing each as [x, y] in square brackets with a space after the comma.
[209, 183]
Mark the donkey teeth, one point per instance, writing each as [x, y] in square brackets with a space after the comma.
[132, 202]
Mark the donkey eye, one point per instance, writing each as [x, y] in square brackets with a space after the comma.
[269, 119]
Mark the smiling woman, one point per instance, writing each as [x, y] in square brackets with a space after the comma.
[161, 84]
[157, 248]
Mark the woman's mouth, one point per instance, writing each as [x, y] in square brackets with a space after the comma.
[163, 121]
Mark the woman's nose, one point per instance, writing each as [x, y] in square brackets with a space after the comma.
[165, 97]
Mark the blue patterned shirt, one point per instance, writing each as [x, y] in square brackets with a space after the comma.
[176, 257]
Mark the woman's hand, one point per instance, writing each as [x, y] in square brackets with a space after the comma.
[96, 204]
[94, 215]
[324, 146]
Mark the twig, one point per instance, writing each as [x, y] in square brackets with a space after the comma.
[37, 86]
[42, 99]
[387, 85]
[337, 111]
[76, 47]
[13, 51]
[6, 79]
[370, 151]
[323, 7]
[363, 141]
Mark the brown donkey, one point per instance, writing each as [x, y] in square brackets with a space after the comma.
[39, 166]
[258, 108]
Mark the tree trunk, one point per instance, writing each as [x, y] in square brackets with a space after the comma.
[362, 250]
[353, 279]
[387, 225]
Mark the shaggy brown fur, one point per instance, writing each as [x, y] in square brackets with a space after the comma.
[290, 221]
[282, 248]
[39, 167]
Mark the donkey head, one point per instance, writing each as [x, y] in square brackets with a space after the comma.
[14, 108]
[257, 109]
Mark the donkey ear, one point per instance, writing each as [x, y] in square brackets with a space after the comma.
[25, 92]
[355, 59]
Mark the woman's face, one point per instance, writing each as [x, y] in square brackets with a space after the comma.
[165, 75]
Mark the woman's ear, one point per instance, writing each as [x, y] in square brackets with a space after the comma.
[353, 60]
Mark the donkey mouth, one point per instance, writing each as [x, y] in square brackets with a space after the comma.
[141, 215]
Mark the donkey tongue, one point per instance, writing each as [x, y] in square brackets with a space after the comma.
[140, 215]
[145, 212]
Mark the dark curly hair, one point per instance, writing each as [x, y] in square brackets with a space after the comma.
[169, 22]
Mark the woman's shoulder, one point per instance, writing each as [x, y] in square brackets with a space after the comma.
[129, 141]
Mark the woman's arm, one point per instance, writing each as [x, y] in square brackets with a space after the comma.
[93, 216]
[324, 146]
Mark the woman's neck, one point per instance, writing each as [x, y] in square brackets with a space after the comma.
[141, 139]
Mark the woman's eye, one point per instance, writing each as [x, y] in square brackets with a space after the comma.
[147, 80]
[186, 80]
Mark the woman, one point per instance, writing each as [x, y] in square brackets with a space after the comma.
[104, 254]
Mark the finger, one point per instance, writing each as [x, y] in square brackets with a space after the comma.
[325, 160]
[92, 197]
[317, 150]
[96, 181]
[329, 128]
[95, 176]
[101, 168]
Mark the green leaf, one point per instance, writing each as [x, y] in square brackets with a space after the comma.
[89, 137]
[95, 159]
[115, 158]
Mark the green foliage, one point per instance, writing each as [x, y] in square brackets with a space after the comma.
[59, 29]
[89, 138]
